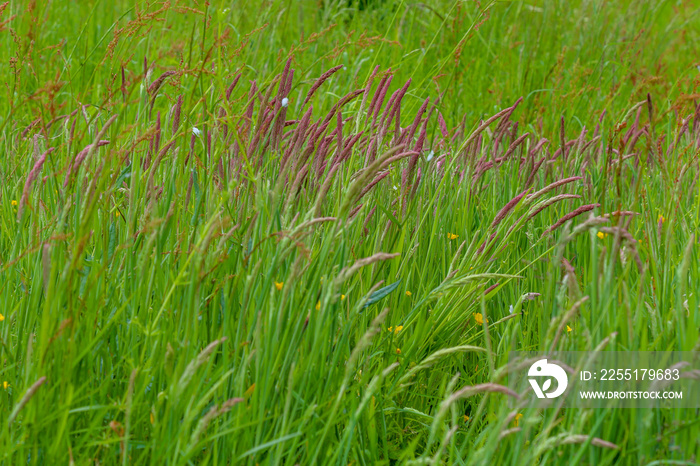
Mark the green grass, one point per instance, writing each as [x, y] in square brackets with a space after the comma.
[182, 305]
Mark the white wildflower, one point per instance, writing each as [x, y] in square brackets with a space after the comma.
[285, 102]
[195, 131]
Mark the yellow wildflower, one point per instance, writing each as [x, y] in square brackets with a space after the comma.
[2, 317]
[568, 329]
[5, 385]
[398, 328]
[659, 219]
[601, 235]
[479, 318]
[318, 306]
[398, 350]
[452, 236]
[342, 297]
[13, 202]
[408, 293]
[517, 418]
[466, 418]
[279, 285]
[390, 329]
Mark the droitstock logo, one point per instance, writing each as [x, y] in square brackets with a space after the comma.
[542, 369]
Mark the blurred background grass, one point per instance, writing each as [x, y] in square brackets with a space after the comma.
[574, 59]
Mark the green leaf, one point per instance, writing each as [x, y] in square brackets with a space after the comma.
[381, 293]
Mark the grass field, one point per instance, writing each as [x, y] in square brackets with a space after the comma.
[311, 232]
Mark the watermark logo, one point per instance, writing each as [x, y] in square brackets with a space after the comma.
[541, 369]
[606, 379]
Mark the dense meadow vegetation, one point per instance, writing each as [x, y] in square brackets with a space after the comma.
[311, 232]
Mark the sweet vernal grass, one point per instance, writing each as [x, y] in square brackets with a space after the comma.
[311, 233]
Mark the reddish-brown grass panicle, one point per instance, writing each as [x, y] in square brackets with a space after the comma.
[297, 137]
[535, 168]
[251, 101]
[153, 88]
[157, 160]
[339, 134]
[551, 187]
[543, 205]
[380, 98]
[156, 140]
[375, 97]
[387, 111]
[485, 124]
[394, 112]
[569, 216]
[323, 78]
[176, 113]
[407, 177]
[348, 146]
[417, 120]
[443, 127]
[229, 90]
[506, 209]
[380, 176]
[535, 150]
[33, 174]
[36, 147]
[341, 103]
[281, 103]
[562, 138]
[29, 128]
[82, 155]
[506, 118]
[368, 87]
